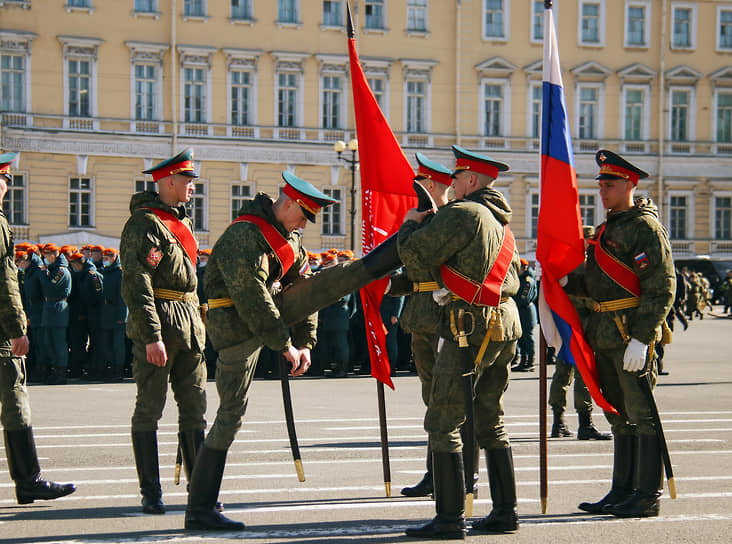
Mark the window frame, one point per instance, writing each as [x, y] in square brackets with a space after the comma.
[297, 17]
[339, 205]
[692, 25]
[531, 220]
[534, 14]
[384, 10]
[152, 11]
[195, 57]
[690, 212]
[718, 40]
[251, 186]
[426, 9]
[715, 114]
[341, 92]
[600, 24]
[691, 118]
[241, 19]
[342, 15]
[598, 124]
[506, 24]
[713, 215]
[533, 84]
[204, 10]
[92, 200]
[645, 114]
[205, 207]
[85, 49]
[647, 21]
[505, 85]
[9, 199]
[598, 211]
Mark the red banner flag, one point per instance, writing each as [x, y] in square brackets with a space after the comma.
[386, 195]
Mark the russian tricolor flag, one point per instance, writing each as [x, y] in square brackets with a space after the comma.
[560, 244]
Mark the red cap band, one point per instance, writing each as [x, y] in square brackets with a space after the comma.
[463, 163]
[177, 168]
[310, 205]
[439, 177]
[619, 171]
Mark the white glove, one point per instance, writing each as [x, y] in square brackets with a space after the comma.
[563, 281]
[441, 296]
[634, 358]
[388, 287]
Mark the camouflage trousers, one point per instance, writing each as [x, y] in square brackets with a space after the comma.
[563, 374]
[15, 412]
[186, 371]
[446, 410]
[424, 352]
[235, 369]
[623, 390]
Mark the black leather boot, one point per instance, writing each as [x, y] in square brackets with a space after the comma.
[201, 513]
[559, 427]
[623, 469]
[425, 487]
[145, 446]
[449, 481]
[190, 442]
[20, 449]
[504, 517]
[587, 429]
[643, 503]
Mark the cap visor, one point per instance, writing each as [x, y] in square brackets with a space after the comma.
[310, 216]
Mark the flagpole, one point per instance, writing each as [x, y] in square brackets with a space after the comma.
[350, 32]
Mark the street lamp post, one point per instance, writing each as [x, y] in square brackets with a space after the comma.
[352, 162]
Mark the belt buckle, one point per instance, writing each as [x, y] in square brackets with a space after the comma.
[596, 306]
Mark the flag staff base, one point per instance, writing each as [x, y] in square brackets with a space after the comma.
[468, 505]
[672, 488]
[387, 487]
[543, 505]
[299, 470]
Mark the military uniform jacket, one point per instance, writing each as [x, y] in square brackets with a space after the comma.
[243, 267]
[86, 294]
[114, 310]
[56, 287]
[637, 239]
[466, 234]
[33, 291]
[152, 258]
[12, 317]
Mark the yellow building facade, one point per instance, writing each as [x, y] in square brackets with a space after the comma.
[95, 91]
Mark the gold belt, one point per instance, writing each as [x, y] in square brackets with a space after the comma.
[169, 294]
[617, 304]
[501, 301]
[425, 286]
[219, 303]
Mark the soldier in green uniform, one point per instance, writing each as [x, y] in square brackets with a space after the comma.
[629, 273]
[15, 416]
[261, 246]
[56, 287]
[158, 255]
[469, 240]
[421, 315]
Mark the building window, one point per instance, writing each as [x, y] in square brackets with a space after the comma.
[14, 203]
[682, 27]
[417, 15]
[724, 117]
[378, 86]
[590, 23]
[332, 99]
[494, 19]
[80, 202]
[194, 88]
[588, 207]
[146, 6]
[416, 98]
[142, 185]
[634, 102]
[241, 91]
[196, 207]
[722, 218]
[287, 11]
[240, 193]
[194, 8]
[241, 10]
[332, 13]
[287, 100]
[332, 215]
[537, 21]
[493, 102]
[725, 29]
[537, 97]
[636, 18]
[680, 102]
[677, 217]
[146, 80]
[533, 213]
[12, 79]
[375, 14]
[78, 3]
[588, 112]
[79, 88]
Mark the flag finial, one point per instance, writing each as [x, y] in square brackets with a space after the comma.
[547, 4]
[349, 22]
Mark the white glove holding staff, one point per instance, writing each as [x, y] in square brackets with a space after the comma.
[441, 296]
[634, 358]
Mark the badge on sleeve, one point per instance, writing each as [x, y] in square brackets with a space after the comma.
[641, 261]
[154, 256]
[305, 269]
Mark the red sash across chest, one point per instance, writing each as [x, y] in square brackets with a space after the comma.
[619, 272]
[282, 249]
[180, 230]
[488, 292]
